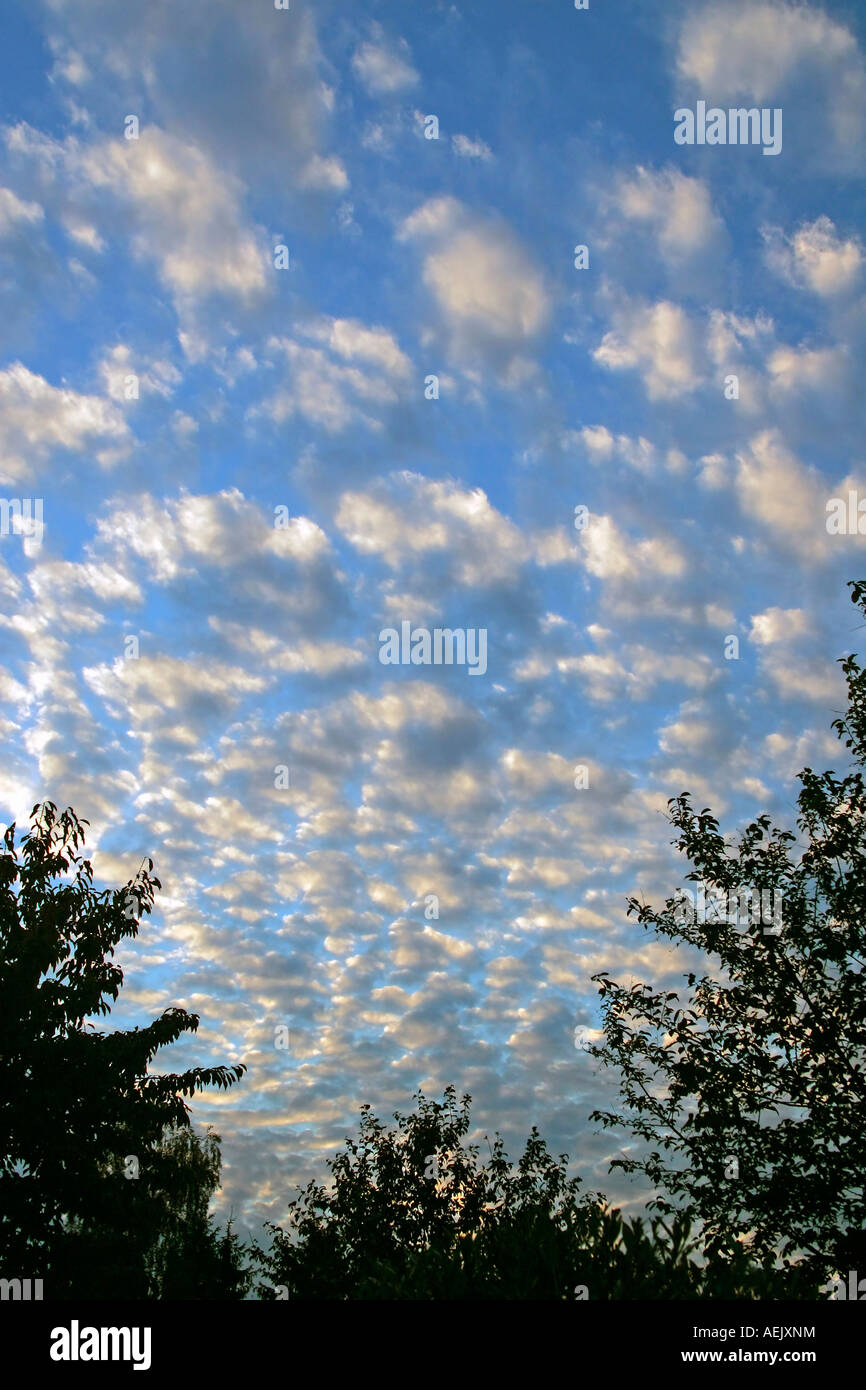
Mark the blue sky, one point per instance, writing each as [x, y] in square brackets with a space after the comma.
[152, 260]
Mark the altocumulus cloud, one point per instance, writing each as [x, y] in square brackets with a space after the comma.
[413, 872]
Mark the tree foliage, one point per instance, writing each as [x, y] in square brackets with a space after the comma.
[157, 1241]
[411, 1213]
[80, 1109]
[749, 1087]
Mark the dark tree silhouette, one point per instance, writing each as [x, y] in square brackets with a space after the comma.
[101, 1176]
[751, 1089]
[159, 1242]
[410, 1213]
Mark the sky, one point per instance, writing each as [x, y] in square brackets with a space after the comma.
[296, 347]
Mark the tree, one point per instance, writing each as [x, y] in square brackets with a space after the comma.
[80, 1112]
[751, 1089]
[410, 1213]
[160, 1243]
[191, 1258]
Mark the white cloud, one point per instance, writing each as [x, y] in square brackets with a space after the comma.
[155, 376]
[794, 56]
[354, 341]
[814, 369]
[84, 233]
[604, 677]
[779, 625]
[678, 210]
[796, 679]
[555, 547]
[750, 49]
[15, 211]
[61, 578]
[686, 736]
[190, 217]
[596, 439]
[150, 685]
[729, 335]
[37, 418]
[600, 446]
[781, 493]
[384, 67]
[489, 293]
[263, 96]
[608, 553]
[471, 149]
[308, 658]
[325, 172]
[486, 283]
[329, 393]
[657, 340]
[224, 530]
[186, 214]
[412, 517]
[435, 218]
[816, 257]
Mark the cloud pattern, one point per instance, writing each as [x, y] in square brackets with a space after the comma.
[286, 371]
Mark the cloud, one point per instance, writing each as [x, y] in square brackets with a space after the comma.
[799, 678]
[471, 149]
[36, 419]
[55, 583]
[779, 625]
[599, 445]
[149, 687]
[289, 569]
[384, 66]
[608, 553]
[752, 49]
[309, 658]
[189, 213]
[787, 498]
[185, 214]
[491, 297]
[677, 353]
[355, 342]
[359, 369]
[325, 172]
[657, 340]
[824, 370]
[217, 529]
[259, 100]
[410, 519]
[767, 52]
[84, 233]
[677, 210]
[155, 376]
[686, 736]
[816, 257]
[15, 212]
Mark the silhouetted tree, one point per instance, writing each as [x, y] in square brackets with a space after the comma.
[192, 1258]
[750, 1087]
[410, 1213]
[160, 1241]
[96, 1153]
